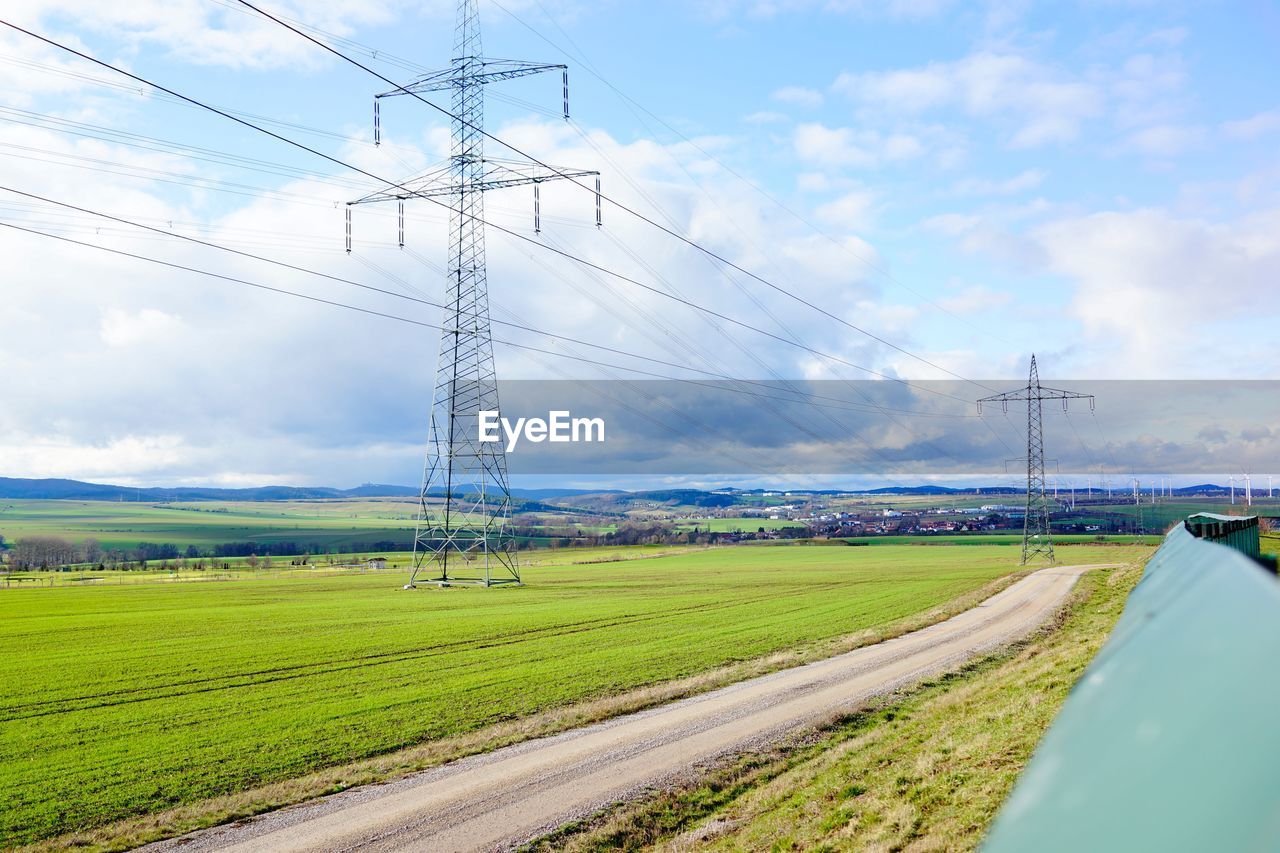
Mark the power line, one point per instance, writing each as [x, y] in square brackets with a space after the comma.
[846, 405]
[100, 81]
[696, 349]
[631, 102]
[582, 261]
[110, 134]
[317, 299]
[332, 303]
[687, 240]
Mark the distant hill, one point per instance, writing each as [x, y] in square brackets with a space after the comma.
[543, 494]
[12, 487]
[678, 497]
[938, 490]
[1204, 489]
[374, 490]
[16, 488]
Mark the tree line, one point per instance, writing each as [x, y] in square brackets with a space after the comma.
[52, 552]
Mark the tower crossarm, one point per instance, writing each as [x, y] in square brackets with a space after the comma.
[1058, 394]
[503, 174]
[496, 176]
[471, 71]
[1040, 392]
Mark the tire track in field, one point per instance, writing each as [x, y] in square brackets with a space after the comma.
[212, 684]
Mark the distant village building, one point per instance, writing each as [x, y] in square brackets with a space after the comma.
[377, 562]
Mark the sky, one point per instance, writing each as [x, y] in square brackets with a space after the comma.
[1092, 181]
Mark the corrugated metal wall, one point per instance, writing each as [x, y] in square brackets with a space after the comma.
[1239, 532]
[1171, 739]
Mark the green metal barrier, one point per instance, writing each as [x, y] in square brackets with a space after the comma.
[1235, 531]
[1171, 739]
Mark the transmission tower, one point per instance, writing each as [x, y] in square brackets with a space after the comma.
[1036, 538]
[464, 530]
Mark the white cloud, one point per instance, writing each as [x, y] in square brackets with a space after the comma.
[1028, 179]
[117, 458]
[1044, 130]
[1142, 281]
[918, 9]
[30, 69]
[766, 9]
[766, 117]
[1255, 127]
[853, 211]
[951, 224]
[1049, 104]
[1148, 89]
[122, 328]
[975, 299]
[834, 147]
[798, 96]
[813, 182]
[1167, 37]
[205, 33]
[259, 387]
[910, 90]
[1166, 140]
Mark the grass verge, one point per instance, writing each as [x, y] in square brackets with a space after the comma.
[922, 770]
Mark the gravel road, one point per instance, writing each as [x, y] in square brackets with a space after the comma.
[499, 800]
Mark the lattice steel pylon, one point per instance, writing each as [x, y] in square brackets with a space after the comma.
[464, 530]
[1037, 539]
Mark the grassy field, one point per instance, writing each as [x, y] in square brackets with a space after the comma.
[732, 525]
[339, 524]
[239, 568]
[925, 770]
[1001, 539]
[124, 700]
[342, 525]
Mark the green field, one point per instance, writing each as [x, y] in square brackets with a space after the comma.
[340, 524]
[124, 700]
[315, 525]
[1165, 513]
[735, 525]
[999, 539]
[221, 569]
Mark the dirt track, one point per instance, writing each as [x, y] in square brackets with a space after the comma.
[504, 798]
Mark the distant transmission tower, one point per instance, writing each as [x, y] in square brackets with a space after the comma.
[464, 530]
[1036, 538]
